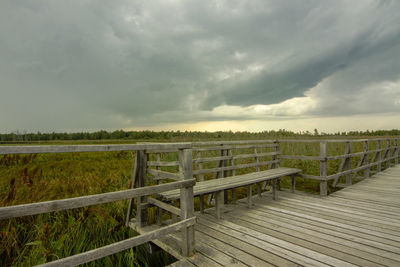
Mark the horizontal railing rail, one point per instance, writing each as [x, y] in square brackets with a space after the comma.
[91, 148]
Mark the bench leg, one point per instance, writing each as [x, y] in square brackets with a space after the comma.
[159, 216]
[174, 216]
[278, 184]
[293, 183]
[219, 203]
[201, 204]
[274, 185]
[249, 196]
[234, 197]
[266, 183]
[259, 189]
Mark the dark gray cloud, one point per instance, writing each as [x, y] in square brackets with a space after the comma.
[84, 65]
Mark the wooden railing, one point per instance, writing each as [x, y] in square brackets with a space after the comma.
[183, 181]
[372, 155]
[368, 161]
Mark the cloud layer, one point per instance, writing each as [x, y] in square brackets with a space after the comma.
[85, 65]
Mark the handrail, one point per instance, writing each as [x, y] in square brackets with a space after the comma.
[89, 148]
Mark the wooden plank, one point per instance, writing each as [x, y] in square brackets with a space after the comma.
[310, 225]
[162, 163]
[216, 255]
[319, 218]
[219, 203]
[301, 256]
[234, 181]
[342, 208]
[141, 181]
[380, 210]
[353, 155]
[300, 157]
[182, 263]
[219, 257]
[249, 176]
[164, 175]
[338, 217]
[332, 212]
[323, 184]
[339, 242]
[230, 250]
[164, 206]
[230, 157]
[187, 201]
[133, 182]
[119, 246]
[357, 225]
[366, 159]
[314, 177]
[232, 147]
[239, 166]
[84, 201]
[277, 230]
[237, 142]
[241, 243]
[88, 148]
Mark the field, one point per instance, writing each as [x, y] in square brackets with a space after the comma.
[37, 239]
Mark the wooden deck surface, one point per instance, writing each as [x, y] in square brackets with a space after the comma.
[356, 226]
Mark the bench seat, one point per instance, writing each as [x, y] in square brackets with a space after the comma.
[230, 182]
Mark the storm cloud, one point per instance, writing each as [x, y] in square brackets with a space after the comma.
[86, 65]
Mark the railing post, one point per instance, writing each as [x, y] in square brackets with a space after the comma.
[396, 153]
[225, 173]
[233, 173]
[277, 165]
[388, 156]
[323, 184]
[379, 159]
[141, 211]
[133, 184]
[159, 210]
[347, 165]
[201, 178]
[187, 201]
[366, 158]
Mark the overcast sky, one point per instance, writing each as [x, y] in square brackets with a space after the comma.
[199, 65]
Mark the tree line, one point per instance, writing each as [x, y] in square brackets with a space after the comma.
[179, 135]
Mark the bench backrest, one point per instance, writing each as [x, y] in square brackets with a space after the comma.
[228, 158]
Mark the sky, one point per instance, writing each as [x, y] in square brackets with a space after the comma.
[199, 65]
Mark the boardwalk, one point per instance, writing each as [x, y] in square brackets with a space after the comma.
[359, 225]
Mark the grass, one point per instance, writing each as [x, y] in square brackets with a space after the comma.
[37, 239]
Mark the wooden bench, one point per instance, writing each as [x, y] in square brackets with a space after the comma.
[226, 169]
[219, 185]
